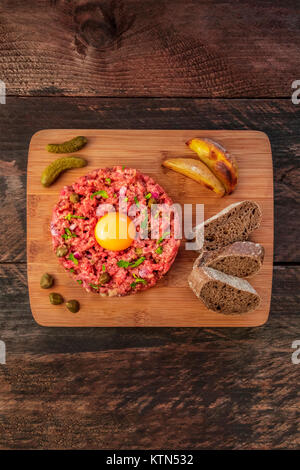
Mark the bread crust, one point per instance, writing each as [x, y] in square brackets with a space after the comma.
[234, 223]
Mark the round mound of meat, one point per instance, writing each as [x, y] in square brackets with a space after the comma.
[106, 272]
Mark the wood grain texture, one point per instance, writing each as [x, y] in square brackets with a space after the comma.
[149, 47]
[279, 119]
[21, 333]
[243, 363]
[171, 302]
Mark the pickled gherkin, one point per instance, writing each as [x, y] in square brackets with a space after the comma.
[70, 146]
[52, 172]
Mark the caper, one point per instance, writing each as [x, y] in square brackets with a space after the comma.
[56, 299]
[151, 201]
[62, 251]
[74, 198]
[70, 146]
[139, 250]
[73, 306]
[104, 278]
[46, 281]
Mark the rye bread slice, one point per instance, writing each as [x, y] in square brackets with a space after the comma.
[234, 223]
[222, 293]
[241, 259]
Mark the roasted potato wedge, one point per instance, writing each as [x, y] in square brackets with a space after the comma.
[223, 165]
[197, 171]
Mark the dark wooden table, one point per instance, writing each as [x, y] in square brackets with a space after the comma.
[149, 64]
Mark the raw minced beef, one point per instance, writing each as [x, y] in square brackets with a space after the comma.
[85, 259]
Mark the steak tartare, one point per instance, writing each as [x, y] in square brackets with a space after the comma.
[107, 272]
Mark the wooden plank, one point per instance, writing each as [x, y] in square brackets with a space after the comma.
[21, 333]
[149, 48]
[171, 302]
[21, 117]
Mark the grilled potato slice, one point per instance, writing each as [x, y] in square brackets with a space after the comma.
[223, 165]
[197, 171]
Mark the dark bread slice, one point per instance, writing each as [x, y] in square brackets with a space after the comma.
[222, 293]
[241, 259]
[234, 223]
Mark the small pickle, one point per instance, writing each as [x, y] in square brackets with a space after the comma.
[55, 299]
[46, 281]
[74, 198]
[151, 201]
[73, 306]
[62, 251]
[52, 172]
[70, 146]
[104, 278]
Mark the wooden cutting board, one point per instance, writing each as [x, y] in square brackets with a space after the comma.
[170, 302]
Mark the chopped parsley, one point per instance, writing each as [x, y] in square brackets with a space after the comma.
[71, 270]
[101, 193]
[159, 250]
[137, 262]
[68, 234]
[148, 196]
[94, 286]
[136, 201]
[127, 264]
[79, 281]
[144, 223]
[72, 258]
[70, 216]
[123, 167]
[103, 268]
[126, 199]
[108, 180]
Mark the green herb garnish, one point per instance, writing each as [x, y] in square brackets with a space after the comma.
[137, 262]
[136, 201]
[148, 196]
[159, 250]
[72, 258]
[123, 167]
[103, 268]
[94, 286]
[126, 199]
[100, 193]
[144, 223]
[71, 270]
[79, 281]
[70, 216]
[108, 180]
[123, 264]
[139, 279]
[68, 234]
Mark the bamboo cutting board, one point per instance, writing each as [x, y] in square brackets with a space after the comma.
[170, 302]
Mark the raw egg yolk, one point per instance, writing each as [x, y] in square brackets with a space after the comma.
[115, 231]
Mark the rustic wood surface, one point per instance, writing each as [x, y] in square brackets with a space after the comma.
[166, 388]
[150, 47]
